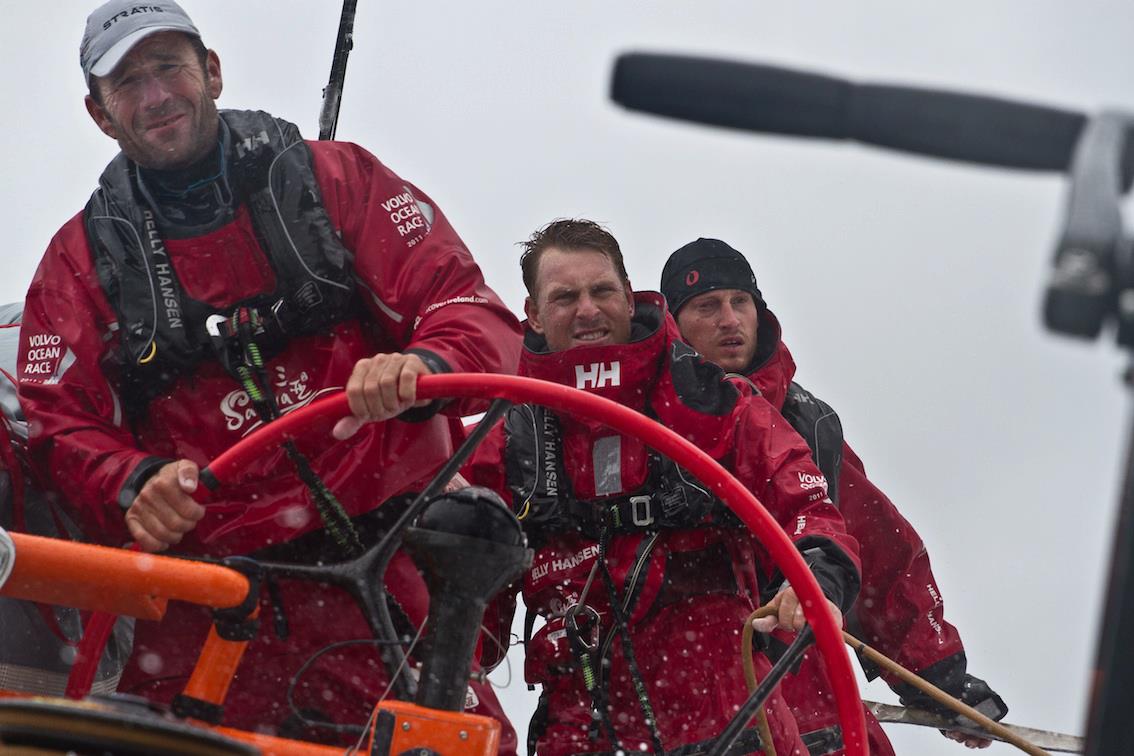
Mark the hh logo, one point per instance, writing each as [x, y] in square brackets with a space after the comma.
[598, 375]
[252, 143]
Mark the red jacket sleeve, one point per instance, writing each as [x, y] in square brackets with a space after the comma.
[417, 278]
[486, 467]
[76, 427]
[900, 610]
[775, 464]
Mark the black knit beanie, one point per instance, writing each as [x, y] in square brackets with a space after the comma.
[706, 265]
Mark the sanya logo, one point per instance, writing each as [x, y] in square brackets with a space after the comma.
[291, 393]
[598, 375]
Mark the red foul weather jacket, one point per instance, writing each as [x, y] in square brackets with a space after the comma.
[419, 289]
[686, 589]
[899, 609]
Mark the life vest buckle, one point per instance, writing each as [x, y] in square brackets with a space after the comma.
[641, 510]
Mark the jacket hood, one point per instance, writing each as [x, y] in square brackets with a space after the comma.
[655, 372]
[772, 368]
[624, 373]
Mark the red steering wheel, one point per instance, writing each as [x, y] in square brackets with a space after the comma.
[828, 635]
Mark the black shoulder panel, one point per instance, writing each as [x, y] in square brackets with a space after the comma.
[821, 428]
[533, 467]
[700, 384]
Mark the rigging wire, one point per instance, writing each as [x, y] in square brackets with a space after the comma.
[334, 726]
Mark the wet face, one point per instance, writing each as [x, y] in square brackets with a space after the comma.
[580, 300]
[721, 325]
[159, 104]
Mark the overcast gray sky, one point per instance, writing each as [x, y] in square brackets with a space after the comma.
[909, 289]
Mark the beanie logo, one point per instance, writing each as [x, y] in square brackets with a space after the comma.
[692, 277]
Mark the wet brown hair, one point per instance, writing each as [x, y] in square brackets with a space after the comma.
[569, 235]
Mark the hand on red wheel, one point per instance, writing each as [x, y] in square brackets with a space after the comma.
[164, 510]
[381, 387]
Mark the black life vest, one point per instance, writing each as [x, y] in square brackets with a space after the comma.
[543, 501]
[163, 331]
[821, 428]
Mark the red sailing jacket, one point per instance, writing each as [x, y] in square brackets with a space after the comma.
[900, 605]
[667, 576]
[421, 290]
[900, 610]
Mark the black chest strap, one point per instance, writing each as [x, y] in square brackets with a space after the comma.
[544, 503]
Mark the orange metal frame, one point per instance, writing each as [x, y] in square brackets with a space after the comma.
[444, 732]
[131, 583]
[140, 585]
[117, 581]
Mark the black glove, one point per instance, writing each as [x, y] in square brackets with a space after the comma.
[984, 699]
[950, 676]
[974, 692]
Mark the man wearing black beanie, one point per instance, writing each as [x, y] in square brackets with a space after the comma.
[711, 290]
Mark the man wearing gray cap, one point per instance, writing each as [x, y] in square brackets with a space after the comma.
[712, 292]
[224, 273]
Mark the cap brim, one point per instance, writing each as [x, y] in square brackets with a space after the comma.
[110, 60]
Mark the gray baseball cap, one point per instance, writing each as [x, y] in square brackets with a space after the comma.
[115, 27]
